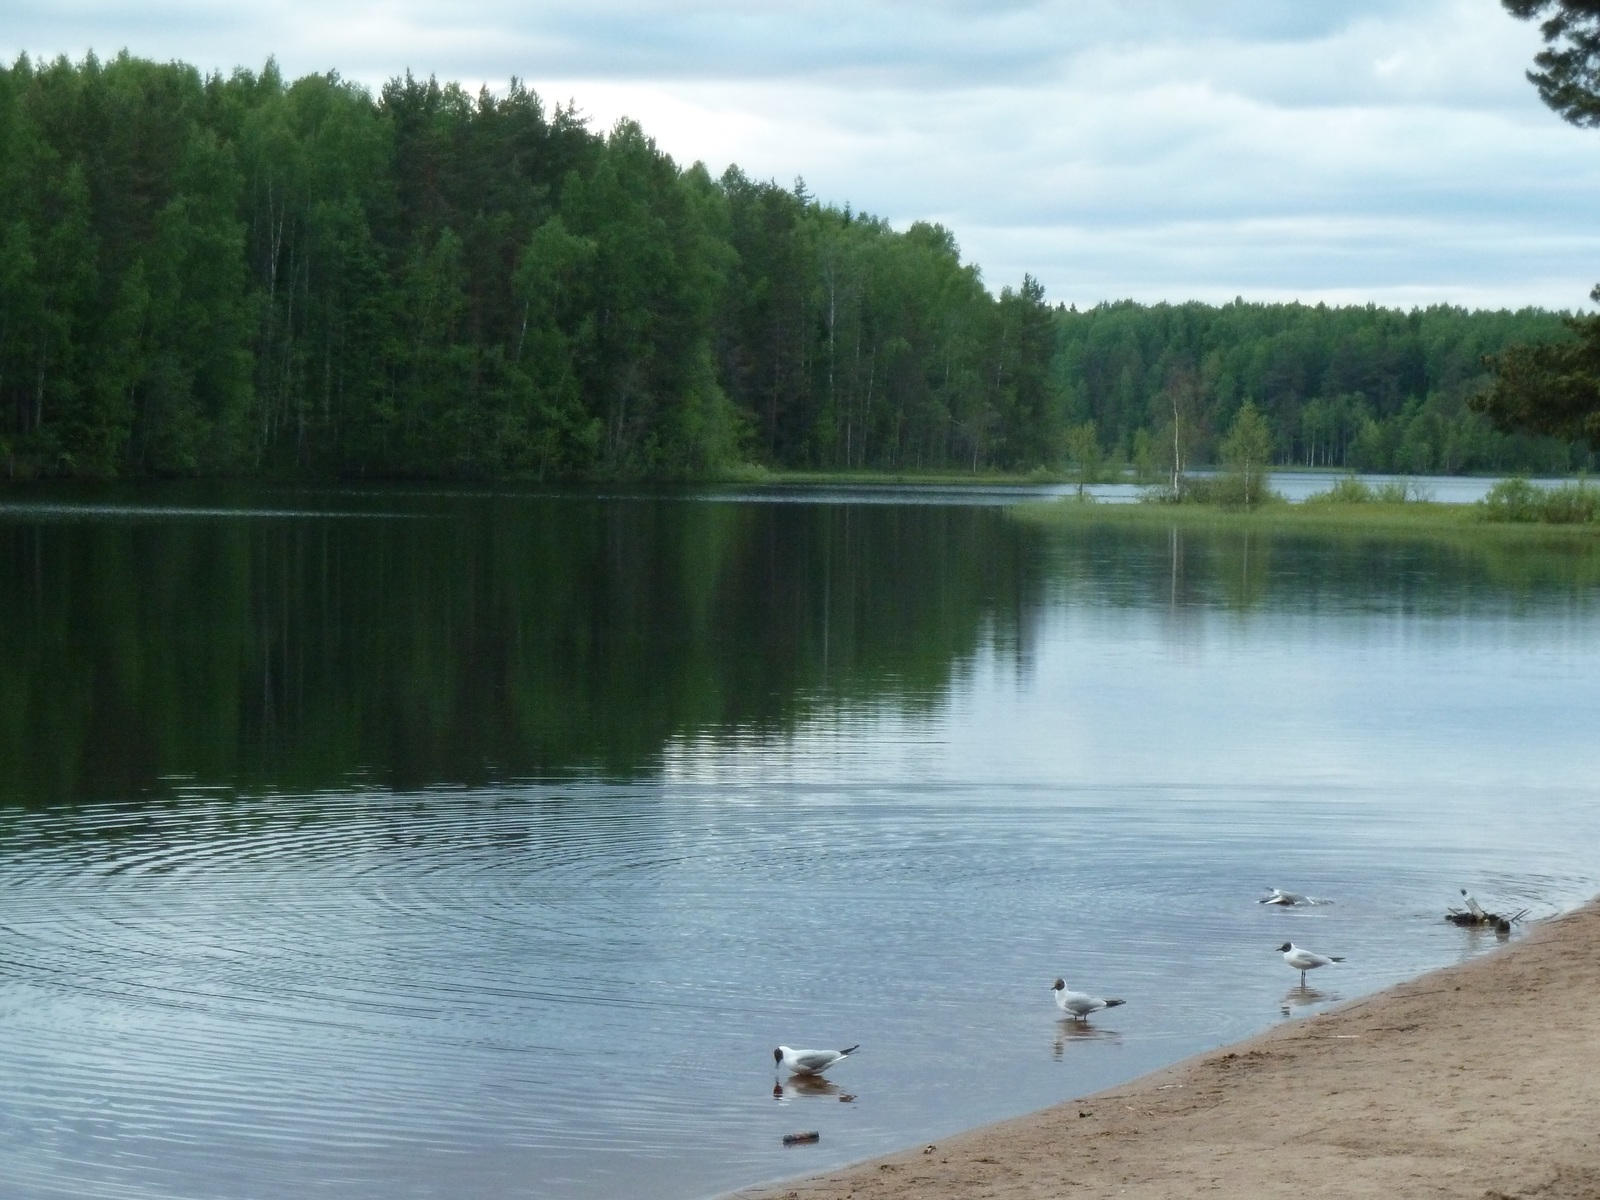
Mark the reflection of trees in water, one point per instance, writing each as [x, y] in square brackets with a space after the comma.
[1185, 571]
[475, 637]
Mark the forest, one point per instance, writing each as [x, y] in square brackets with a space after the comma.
[245, 276]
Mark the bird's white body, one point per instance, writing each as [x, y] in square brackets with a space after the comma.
[1279, 896]
[1079, 1005]
[810, 1062]
[1289, 899]
[1303, 960]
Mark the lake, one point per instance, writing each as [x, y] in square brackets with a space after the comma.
[422, 842]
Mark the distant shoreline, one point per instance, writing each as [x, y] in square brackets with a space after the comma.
[1475, 1080]
[1046, 477]
[1420, 518]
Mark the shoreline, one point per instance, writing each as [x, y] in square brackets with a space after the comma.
[1473, 1080]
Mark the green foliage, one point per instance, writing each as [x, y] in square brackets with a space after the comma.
[1351, 490]
[249, 275]
[1247, 453]
[1572, 504]
[1401, 491]
[1083, 452]
[1520, 501]
[1362, 388]
[1549, 387]
[1348, 490]
[1146, 464]
[1568, 75]
[1229, 490]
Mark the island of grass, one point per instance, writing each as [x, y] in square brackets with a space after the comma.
[1515, 508]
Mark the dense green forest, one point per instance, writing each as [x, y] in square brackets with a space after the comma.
[247, 276]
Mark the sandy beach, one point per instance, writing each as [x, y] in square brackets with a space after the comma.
[1480, 1080]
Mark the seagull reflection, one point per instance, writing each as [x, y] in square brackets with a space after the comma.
[1070, 1029]
[804, 1085]
[1302, 996]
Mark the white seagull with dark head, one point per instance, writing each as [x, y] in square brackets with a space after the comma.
[1078, 1005]
[810, 1062]
[1305, 960]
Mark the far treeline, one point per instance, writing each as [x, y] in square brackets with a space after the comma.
[245, 276]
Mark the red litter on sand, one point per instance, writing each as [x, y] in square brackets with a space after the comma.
[795, 1139]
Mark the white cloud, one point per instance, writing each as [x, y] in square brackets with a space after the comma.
[1375, 149]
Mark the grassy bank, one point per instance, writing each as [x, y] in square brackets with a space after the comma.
[1417, 518]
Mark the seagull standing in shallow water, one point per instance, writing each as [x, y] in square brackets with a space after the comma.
[1078, 1005]
[1305, 960]
[810, 1062]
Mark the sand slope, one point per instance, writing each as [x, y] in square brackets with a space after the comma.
[1481, 1081]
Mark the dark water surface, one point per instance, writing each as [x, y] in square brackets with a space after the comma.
[412, 843]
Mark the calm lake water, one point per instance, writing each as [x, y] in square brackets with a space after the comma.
[399, 844]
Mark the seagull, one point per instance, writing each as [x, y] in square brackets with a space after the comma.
[810, 1062]
[1305, 960]
[1288, 899]
[1078, 1005]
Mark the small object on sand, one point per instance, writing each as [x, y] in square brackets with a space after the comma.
[929, 1148]
[796, 1139]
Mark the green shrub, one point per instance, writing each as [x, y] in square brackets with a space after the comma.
[1348, 490]
[1571, 504]
[1232, 490]
[1519, 500]
[1512, 499]
[1401, 491]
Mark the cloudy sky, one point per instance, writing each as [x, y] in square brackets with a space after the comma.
[1341, 150]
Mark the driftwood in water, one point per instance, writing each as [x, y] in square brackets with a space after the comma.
[1475, 915]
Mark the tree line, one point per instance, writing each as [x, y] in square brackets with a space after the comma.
[1358, 387]
[242, 275]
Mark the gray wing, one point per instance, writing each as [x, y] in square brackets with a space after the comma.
[815, 1060]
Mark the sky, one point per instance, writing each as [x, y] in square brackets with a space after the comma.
[1348, 151]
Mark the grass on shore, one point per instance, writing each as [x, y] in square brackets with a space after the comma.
[1415, 517]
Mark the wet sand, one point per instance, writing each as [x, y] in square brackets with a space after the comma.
[1480, 1080]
